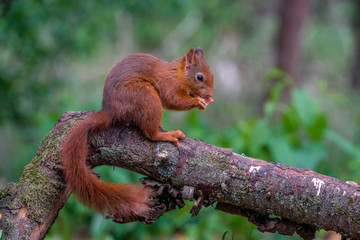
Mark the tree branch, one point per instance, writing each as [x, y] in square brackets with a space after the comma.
[305, 201]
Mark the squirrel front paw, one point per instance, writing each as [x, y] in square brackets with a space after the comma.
[201, 103]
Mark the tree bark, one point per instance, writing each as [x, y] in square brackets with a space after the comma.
[305, 201]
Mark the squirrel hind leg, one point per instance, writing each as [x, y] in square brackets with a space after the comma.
[148, 117]
[171, 136]
[150, 127]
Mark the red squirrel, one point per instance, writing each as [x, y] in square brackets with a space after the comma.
[135, 91]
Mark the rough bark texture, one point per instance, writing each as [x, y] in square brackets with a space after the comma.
[305, 201]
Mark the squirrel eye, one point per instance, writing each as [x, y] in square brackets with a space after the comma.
[200, 77]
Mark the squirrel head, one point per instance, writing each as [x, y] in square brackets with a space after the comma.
[198, 77]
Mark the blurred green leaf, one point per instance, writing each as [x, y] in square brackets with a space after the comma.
[317, 128]
[281, 150]
[305, 107]
[290, 120]
[269, 109]
[342, 142]
[309, 155]
[259, 135]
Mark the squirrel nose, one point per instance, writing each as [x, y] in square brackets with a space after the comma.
[205, 92]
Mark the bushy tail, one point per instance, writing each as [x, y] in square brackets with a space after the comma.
[125, 199]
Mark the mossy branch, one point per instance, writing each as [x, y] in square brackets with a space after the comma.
[303, 200]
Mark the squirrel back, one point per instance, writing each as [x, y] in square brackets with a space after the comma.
[136, 90]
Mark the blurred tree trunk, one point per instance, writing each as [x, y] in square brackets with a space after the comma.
[292, 16]
[355, 74]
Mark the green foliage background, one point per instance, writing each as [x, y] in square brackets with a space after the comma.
[55, 55]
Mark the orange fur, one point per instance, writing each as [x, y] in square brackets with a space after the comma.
[136, 90]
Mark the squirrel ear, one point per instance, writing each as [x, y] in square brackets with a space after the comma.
[199, 53]
[190, 56]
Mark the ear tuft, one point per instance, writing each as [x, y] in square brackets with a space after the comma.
[199, 53]
[190, 56]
